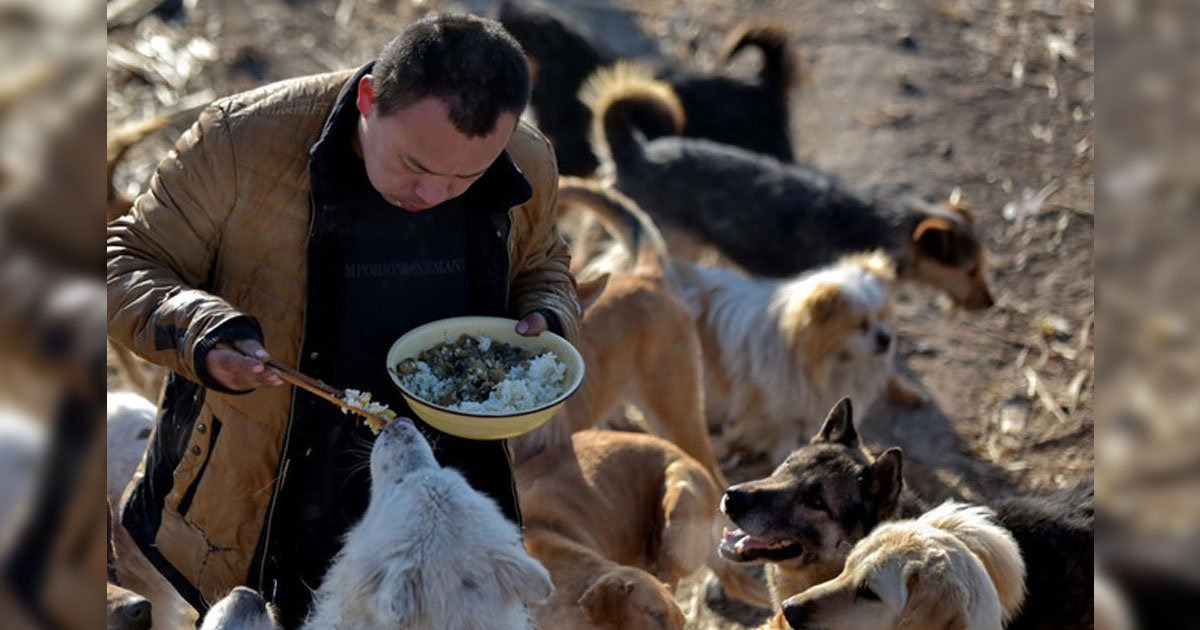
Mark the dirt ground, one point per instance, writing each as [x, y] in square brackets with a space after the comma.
[989, 101]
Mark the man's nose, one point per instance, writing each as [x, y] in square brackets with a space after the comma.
[431, 192]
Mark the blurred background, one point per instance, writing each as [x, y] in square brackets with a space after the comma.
[989, 103]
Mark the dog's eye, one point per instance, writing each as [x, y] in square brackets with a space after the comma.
[864, 592]
[815, 502]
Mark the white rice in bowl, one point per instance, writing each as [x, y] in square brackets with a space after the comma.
[477, 375]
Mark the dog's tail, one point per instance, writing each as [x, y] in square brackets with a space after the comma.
[994, 545]
[626, 98]
[781, 69]
[622, 217]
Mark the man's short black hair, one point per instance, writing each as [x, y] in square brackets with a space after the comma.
[470, 63]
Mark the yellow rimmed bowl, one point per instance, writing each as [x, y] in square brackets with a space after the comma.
[481, 426]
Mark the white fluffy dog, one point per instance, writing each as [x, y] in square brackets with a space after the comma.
[954, 568]
[779, 354]
[241, 609]
[22, 454]
[430, 552]
[130, 424]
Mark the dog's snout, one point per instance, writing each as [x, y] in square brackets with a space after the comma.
[735, 502]
[136, 614]
[883, 340]
[796, 614]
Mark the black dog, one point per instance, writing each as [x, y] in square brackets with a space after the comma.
[770, 217]
[805, 517]
[726, 109]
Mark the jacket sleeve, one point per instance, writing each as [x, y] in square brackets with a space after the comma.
[541, 263]
[161, 254]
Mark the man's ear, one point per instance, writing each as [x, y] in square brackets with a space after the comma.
[366, 95]
[839, 426]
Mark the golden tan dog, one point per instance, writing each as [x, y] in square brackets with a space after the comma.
[618, 519]
[639, 345]
[954, 568]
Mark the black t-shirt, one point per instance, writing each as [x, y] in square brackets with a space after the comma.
[400, 270]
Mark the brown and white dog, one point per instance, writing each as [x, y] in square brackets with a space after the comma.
[777, 354]
[618, 519]
[954, 568]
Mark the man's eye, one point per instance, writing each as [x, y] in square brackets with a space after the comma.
[865, 592]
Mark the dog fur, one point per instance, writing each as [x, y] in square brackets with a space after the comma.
[430, 551]
[618, 518]
[130, 423]
[771, 218]
[638, 342]
[830, 494]
[241, 609]
[954, 568]
[562, 55]
[124, 609]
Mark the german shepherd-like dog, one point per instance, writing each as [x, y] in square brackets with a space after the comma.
[769, 217]
[804, 519]
[750, 114]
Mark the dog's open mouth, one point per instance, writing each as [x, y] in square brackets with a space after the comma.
[739, 546]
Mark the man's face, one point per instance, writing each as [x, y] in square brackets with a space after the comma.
[415, 157]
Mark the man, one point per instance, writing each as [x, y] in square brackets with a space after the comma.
[318, 219]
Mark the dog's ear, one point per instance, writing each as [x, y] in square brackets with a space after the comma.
[824, 302]
[839, 426]
[602, 601]
[885, 481]
[390, 592]
[522, 576]
[935, 238]
[590, 290]
[977, 528]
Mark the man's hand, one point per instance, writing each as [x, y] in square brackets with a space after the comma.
[239, 365]
[532, 325]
